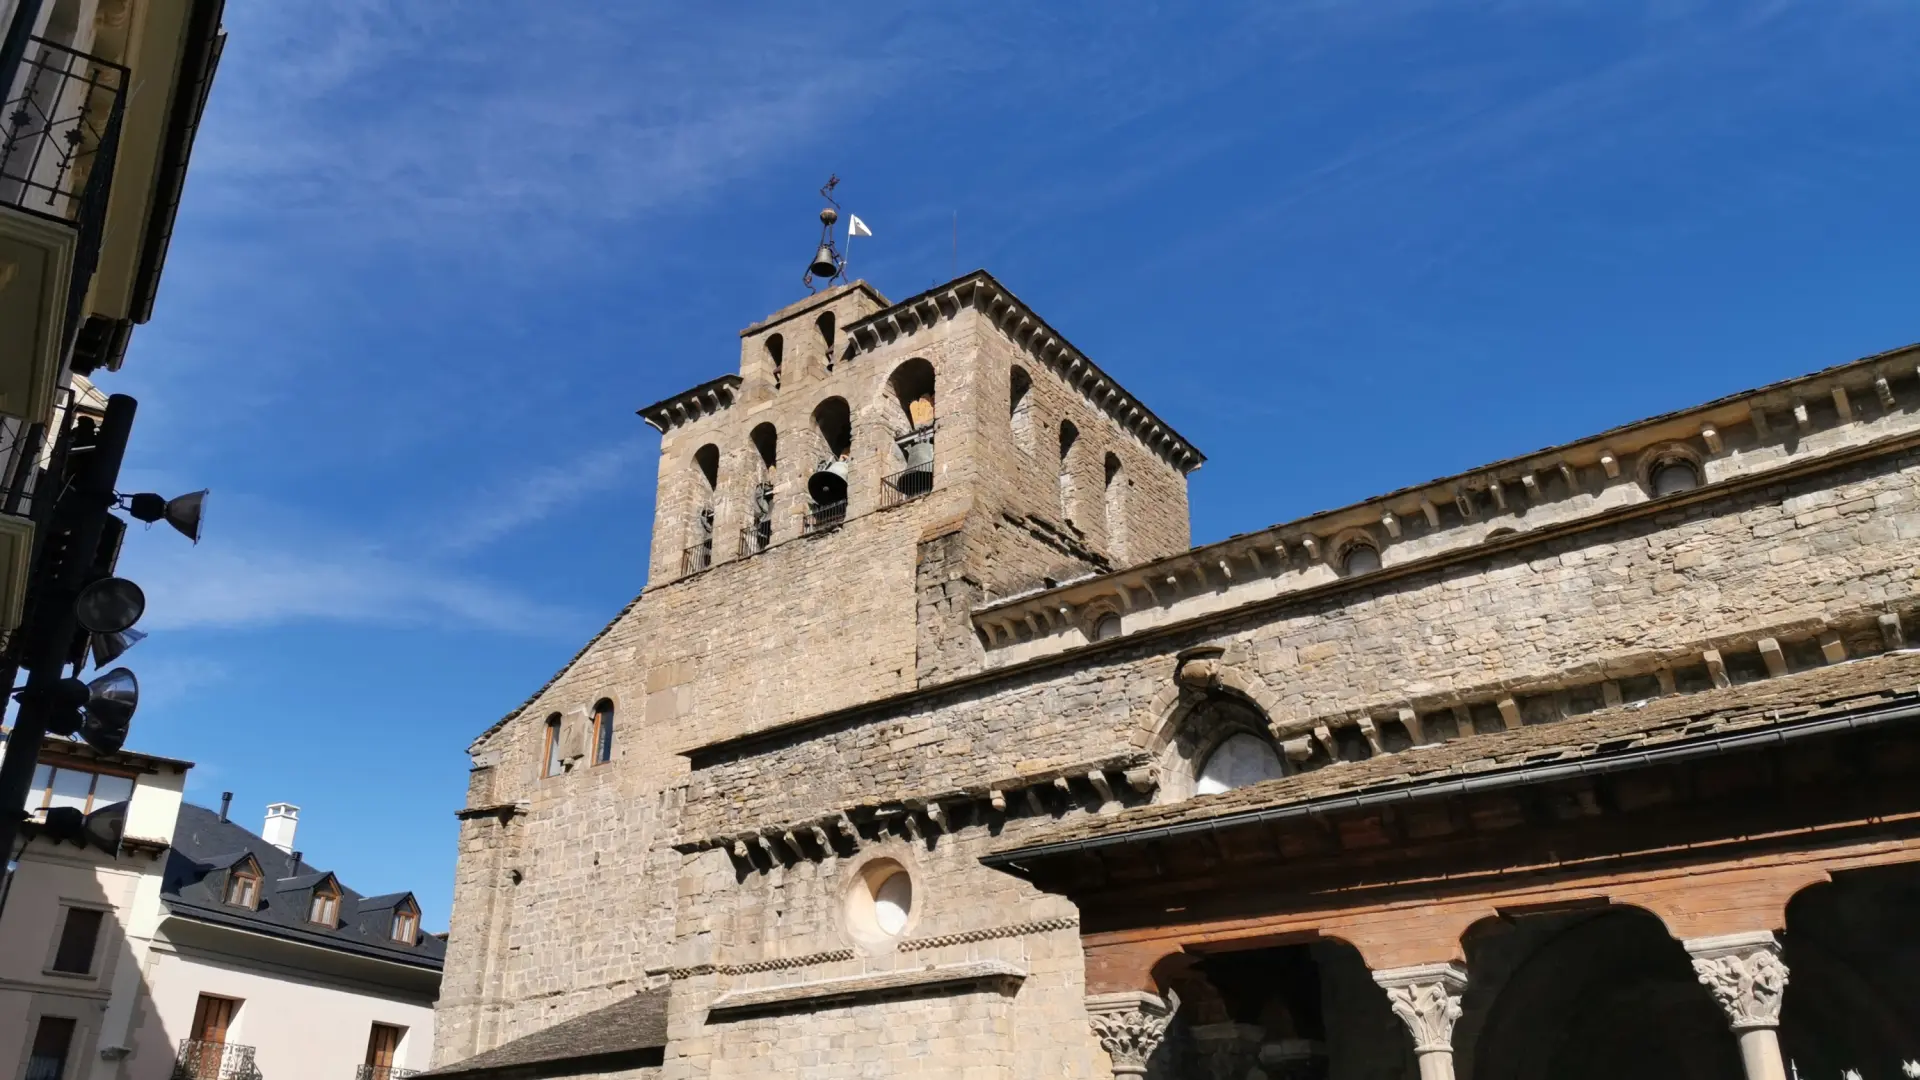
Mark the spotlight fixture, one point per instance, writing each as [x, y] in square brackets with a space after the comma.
[183, 512]
[100, 712]
[108, 647]
[109, 605]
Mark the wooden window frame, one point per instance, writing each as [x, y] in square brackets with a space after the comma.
[247, 872]
[603, 736]
[407, 915]
[326, 899]
[548, 766]
[55, 763]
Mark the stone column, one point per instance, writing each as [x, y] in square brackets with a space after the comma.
[1130, 1026]
[1746, 976]
[1427, 999]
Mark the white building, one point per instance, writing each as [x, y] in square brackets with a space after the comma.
[179, 944]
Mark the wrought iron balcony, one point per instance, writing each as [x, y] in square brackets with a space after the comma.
[906, 485]
[755, 539]
[824, 516]
[698, 557]
[383, 1072]
[202, 1060]
[62, 131]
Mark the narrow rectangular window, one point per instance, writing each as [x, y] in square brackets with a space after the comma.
[383, 1046]
[243, 887]
[551, 754]
[405, 924]
[603, 732]
[51, 1041]
[78, 937]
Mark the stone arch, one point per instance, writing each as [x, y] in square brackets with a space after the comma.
[1020, 407]
[1583, 995]
[1197, 671]
[1207, 704]
[1852, 953]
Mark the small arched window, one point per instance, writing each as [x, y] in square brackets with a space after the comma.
[1359, 559]
[550, 749]
[1069, 437]
[1240, 759]
[1106, 626]
[824, 324]
[1020, 407]
[776, 347]
[1116, 506]
[1673, 476]
[602, 731]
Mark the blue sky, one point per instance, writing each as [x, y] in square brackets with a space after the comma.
[433, 256]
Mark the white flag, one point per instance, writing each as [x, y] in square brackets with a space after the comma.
[856, 227]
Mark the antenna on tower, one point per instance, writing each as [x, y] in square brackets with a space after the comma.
[827, 263]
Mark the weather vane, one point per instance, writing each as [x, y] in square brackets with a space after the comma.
[827, 263]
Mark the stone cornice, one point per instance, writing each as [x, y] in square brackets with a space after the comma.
[1185, 624]
[689, 405]
[1585, 481]
[823, 993]
[979, 291]
[1038, 794]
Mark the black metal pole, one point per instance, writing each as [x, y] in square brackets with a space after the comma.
[83, 508]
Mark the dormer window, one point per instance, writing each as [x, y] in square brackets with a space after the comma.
[406, 923]
[243, 885]
[325, 908]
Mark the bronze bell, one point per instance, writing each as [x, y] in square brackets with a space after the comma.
[824, 264]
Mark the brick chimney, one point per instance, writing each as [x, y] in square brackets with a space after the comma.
[282, 820]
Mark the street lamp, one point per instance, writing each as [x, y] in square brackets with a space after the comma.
[183, 512]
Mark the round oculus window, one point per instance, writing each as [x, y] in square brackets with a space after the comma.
[880, 903]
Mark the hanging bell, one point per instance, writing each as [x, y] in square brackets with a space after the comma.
[824, 263]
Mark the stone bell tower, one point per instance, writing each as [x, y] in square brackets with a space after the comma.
[827, 516]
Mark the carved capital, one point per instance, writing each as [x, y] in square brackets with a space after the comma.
[1746, 975]
[1130, 1027]
[1426, 998]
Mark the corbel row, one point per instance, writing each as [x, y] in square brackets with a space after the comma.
[1031, 333]
[683, 408]
[1313, 742]
[1088, 788]
[1325, 540]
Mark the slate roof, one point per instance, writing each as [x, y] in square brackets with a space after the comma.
[203, 845]
[626, 1028]
[1857, 686]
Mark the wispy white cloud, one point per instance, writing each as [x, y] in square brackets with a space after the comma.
[526, 498]
[250, 579]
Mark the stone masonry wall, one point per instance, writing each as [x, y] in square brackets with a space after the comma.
[1790, 555]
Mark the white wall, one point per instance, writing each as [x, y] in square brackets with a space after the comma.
[299, 1025]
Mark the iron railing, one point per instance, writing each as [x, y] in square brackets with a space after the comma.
[906, 485]
[698, 557]
[824, 516]
[755, 539]
[62, 127]
[59, 135]
[383, 1072]
[202, 1060]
